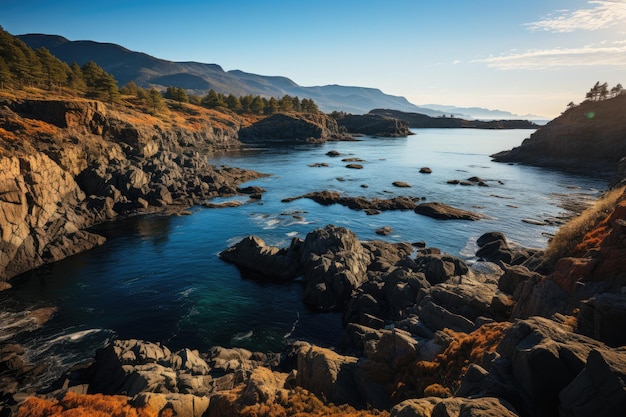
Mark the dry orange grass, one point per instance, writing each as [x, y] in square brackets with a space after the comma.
[301, 403]
[442, 376]
[574, 232]
[83, 405]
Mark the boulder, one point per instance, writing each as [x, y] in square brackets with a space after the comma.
[134, 366]
[263, 386]
[255, 258]
[179, 404]
[602, 317]
[453, 407]
[599, 390]
[442, 211]
[440, 268]
[543, 357]
[328, 374]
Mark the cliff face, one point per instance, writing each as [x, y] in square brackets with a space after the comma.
[590, 135]
[67, 164]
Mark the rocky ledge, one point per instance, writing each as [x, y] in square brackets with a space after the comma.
[66, 165]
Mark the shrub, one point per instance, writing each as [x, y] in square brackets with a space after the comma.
[573, 233]
[83, 405]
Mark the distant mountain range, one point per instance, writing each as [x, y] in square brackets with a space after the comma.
[199, 78]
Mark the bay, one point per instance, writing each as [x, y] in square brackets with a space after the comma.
[159, 278]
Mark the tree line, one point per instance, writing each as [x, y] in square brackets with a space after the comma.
[247, 104]
[601, 92]
[22, 66]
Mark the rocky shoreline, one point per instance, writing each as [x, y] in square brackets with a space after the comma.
[425, 333]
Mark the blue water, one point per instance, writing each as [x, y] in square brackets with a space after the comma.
[159, 278]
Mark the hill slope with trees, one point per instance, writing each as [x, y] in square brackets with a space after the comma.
[588, 136]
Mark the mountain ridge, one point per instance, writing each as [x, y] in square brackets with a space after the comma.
[148, 71]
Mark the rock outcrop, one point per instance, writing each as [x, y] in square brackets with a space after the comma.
[442, 211]
[371, 206]
[69, 164]
[373, 125]
[293, 128]
[587, 137]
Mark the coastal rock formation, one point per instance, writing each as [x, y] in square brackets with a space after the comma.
[372, 206]
[68, 164]
[292, 128]
[332, 260]
[585, 137]
[442, 211]
[373, 125]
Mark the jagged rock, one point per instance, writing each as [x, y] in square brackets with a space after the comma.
[372, 206]
[263, 386]
[440, 268]
[254, 257]
[328, 374]
[602, 317]
[599, 390]
[441, 211]
[180, 404]
[539, 296]
[134, 366]
[453, 407]
[543, 357]
[97, 165]
[514, 276]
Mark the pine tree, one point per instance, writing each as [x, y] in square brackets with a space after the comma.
[55, 72]
[257, 106]
[155, 101]
[75, 78]
[233, 103]
[5, 74]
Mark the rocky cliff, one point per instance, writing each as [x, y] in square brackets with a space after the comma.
[587, 138]
[66, 164]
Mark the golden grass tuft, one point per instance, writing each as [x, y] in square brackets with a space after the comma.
[573, 233]
[301, 403]
[442, 376]
[83, 405]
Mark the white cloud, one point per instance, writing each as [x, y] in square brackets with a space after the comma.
[602, 15]
[605, 55]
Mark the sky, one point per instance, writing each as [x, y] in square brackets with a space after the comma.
[526, 57]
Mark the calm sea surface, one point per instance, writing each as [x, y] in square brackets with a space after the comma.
[159, 278]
